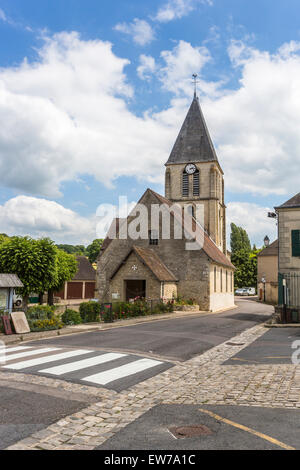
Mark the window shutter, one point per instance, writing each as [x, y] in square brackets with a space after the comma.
[295, 242]
[185, 184]
[196, 189]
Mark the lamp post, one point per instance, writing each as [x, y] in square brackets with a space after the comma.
[263, 280]
[266, 241]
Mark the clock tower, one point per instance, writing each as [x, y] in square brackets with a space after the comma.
[194, 175]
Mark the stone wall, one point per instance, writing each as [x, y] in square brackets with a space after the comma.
[211, 196]
[117, 284]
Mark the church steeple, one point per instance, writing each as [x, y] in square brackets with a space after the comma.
[194, 175]
[193, 143]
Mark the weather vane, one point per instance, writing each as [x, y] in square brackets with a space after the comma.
[195, 83]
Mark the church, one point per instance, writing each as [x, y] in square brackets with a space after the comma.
[159, 267]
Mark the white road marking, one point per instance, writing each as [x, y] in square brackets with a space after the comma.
[45, 359]
[78, 365]
[33, 352]
[17, 348]
[104, 378]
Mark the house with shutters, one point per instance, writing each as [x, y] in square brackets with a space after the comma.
[288, 215]
[159, 267]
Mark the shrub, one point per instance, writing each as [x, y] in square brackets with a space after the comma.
[182, 301]
[41, 312]
[45, 324]
[163, 307]
[90, 311]
[71, 317]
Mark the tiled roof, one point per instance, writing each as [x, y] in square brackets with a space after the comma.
[193, 143]
[209, 247]
[271, 250]
[85, 271]
[150, 259]
[10, 280]
[293, 202]
[154, 263]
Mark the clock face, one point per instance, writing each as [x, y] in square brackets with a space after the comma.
[190, 169]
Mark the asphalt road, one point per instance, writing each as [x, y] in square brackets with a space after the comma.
[274, 347]
[176, 339]
[275, 429]
[24, 412]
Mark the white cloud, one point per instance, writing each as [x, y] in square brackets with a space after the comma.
[254, 219]
[37, 217]
[175, 9]
[179, 65]
[256, 126]
[66, 115]
[140, 30]
[147, 67]
[2, 15]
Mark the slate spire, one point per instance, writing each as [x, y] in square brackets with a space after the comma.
[193, 143]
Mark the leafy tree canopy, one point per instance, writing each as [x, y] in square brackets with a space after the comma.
[243, 257]
[65, 269]
[34, 261]
[239, 239]
[93, 250]
[73, 249]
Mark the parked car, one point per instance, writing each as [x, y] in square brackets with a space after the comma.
[245, 291]
[241, 291]
[250, 290]
[17, 300]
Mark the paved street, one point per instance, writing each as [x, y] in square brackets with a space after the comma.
[177, 339]
[153, 430]
[275, 347]
[189, 381]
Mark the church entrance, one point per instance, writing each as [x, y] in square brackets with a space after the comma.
[135, 288]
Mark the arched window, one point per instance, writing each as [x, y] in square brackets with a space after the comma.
[185, 184]
[196, 183]
[191, 210]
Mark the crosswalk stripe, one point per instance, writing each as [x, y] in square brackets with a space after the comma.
[34, 352]
[45, 359]
[104, 378]
[78, 365]
[17, 348]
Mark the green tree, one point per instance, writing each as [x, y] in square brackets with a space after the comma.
[239, 239]
[65, 269]
[3, 237]
[93, 249]
[73, 249]
[34, 261]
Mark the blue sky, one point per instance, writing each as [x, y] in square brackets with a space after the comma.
[93, 94]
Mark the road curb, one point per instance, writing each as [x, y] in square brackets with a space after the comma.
[285, 325]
